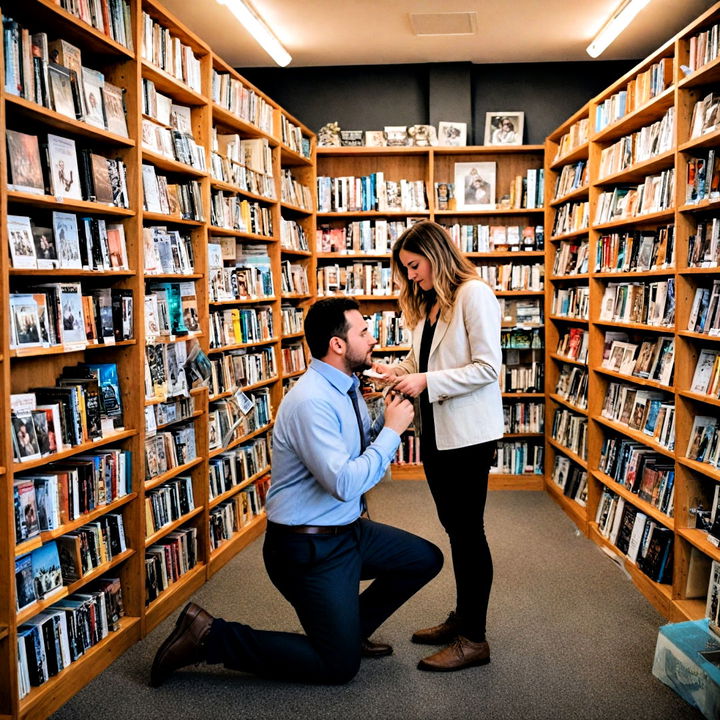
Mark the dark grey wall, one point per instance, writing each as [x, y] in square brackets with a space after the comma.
[369, 97]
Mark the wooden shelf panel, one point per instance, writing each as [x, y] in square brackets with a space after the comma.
[167, 84]
[235, 489]
[49, 202]
[634, 435]
[639, 171]
[579, 193]
[578, 153]
[217, 184]
[240, 440]
[163, 162]
[566, 403]
[568, 452]
[646, 219]
[242, 346]
[160, 533]
[634, 379]
[170, 474]
[66, 349]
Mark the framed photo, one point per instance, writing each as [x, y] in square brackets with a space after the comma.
[374, 138]
[351, 138]
[504, 128]
[475, 185]
[396, 135]
[452, 133]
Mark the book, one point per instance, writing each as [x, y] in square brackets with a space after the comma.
[93, 83]
[25, 173]
[63, 84]
[63, 168]
[65, 230]
[114, 109]
[47, 575]
[22, 245]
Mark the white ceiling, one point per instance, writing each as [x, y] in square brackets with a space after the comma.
[372, 32]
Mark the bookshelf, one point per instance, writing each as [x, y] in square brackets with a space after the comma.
[217, 523]
[354, 233]
[629, 256]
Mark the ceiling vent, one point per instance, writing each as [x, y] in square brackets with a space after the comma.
[450, 23]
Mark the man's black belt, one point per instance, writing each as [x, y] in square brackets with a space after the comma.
[311, 529]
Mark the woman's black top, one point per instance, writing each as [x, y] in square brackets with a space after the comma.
[426, 411]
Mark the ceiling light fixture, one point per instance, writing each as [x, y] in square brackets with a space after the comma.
[256, 26]
[614, 25]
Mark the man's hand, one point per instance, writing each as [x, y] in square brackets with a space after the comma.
[412, 384]
[399, 413]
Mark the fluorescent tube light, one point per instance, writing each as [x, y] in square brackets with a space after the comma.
[255, 25]
[614, 25]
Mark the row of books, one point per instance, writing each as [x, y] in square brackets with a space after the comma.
[231, 420]
[637, 251]
[571, 431]
[644, 541]
[60, 314]
[370, 192]
[167, 251]
[572, 385]
[361, 236]
[703, 178]
[293, 192]
[293, 358]
[521, 311]
[704, 443]
[523, 417]
[576, 135]
[233, 467]
[574, 345]
[293, 137]
[66, 171]
[56, 637]
[67, 558]
[168, 503]
[169, 449]
[704, 244]
[571, 479]
[518, 458]
[239, 368]
[293, 319]
[48, 499]
[51, 74]
[167, 560]
[166, 51]
[170, 309]
[292, 236]
[388, 328]
[408, 452]
[360, 278]
[243, 101]
[513, 276]
[644, 86]
[492, 238]
[703, 48]
[655, 194]
[650, 358]
[238, 326]
[571, 302]
[175, 142]
[521, 377]
[705, 116]
[165, 375]
[705, 311]
[293, 278]
[571, 258]
[706, 378]
[645, 473]
[167, 413]
[232, 212]
[111, 17]
[646, 143]
[571, 217]
[241, 176]
[84, 406]
[521, 338]
[232, 516]
[571, 177]
[180, 200]
[636, 302]
[648, 411]
[90, 244]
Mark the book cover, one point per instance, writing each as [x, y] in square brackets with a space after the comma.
[24, 166]
[63, 168]
[23, 253]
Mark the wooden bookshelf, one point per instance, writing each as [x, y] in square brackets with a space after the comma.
[24, 368]
[694, 482]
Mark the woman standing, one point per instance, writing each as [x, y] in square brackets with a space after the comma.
[453, 370]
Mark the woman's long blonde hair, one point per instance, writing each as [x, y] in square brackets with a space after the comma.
[450, 270]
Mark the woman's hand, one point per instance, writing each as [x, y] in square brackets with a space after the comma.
[384, 369]
[411, 385]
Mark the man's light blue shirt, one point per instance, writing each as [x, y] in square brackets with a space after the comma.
[318, 473]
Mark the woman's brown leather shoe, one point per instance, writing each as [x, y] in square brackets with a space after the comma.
[462, 653]
[440, 634]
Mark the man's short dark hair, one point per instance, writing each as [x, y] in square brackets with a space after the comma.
[326, 319]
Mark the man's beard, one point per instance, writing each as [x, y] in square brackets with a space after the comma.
[357, 363]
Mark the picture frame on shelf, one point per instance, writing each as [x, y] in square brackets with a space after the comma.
[475, 185]
[351, 138]
[453, 134]
[422, 135]
[396, 135]
[375, 138]
[504, 127]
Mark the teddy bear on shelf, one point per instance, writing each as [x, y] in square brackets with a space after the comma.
[329, 135]
[422, 135]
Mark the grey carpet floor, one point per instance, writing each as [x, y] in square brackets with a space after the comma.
[570, 636]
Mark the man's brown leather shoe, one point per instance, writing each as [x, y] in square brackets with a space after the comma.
[370, 649]
[441, 634]
[184, 645]
[462, 653]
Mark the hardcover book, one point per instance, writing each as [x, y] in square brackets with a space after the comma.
[63, 165]
[20, 238]
[24, 166]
